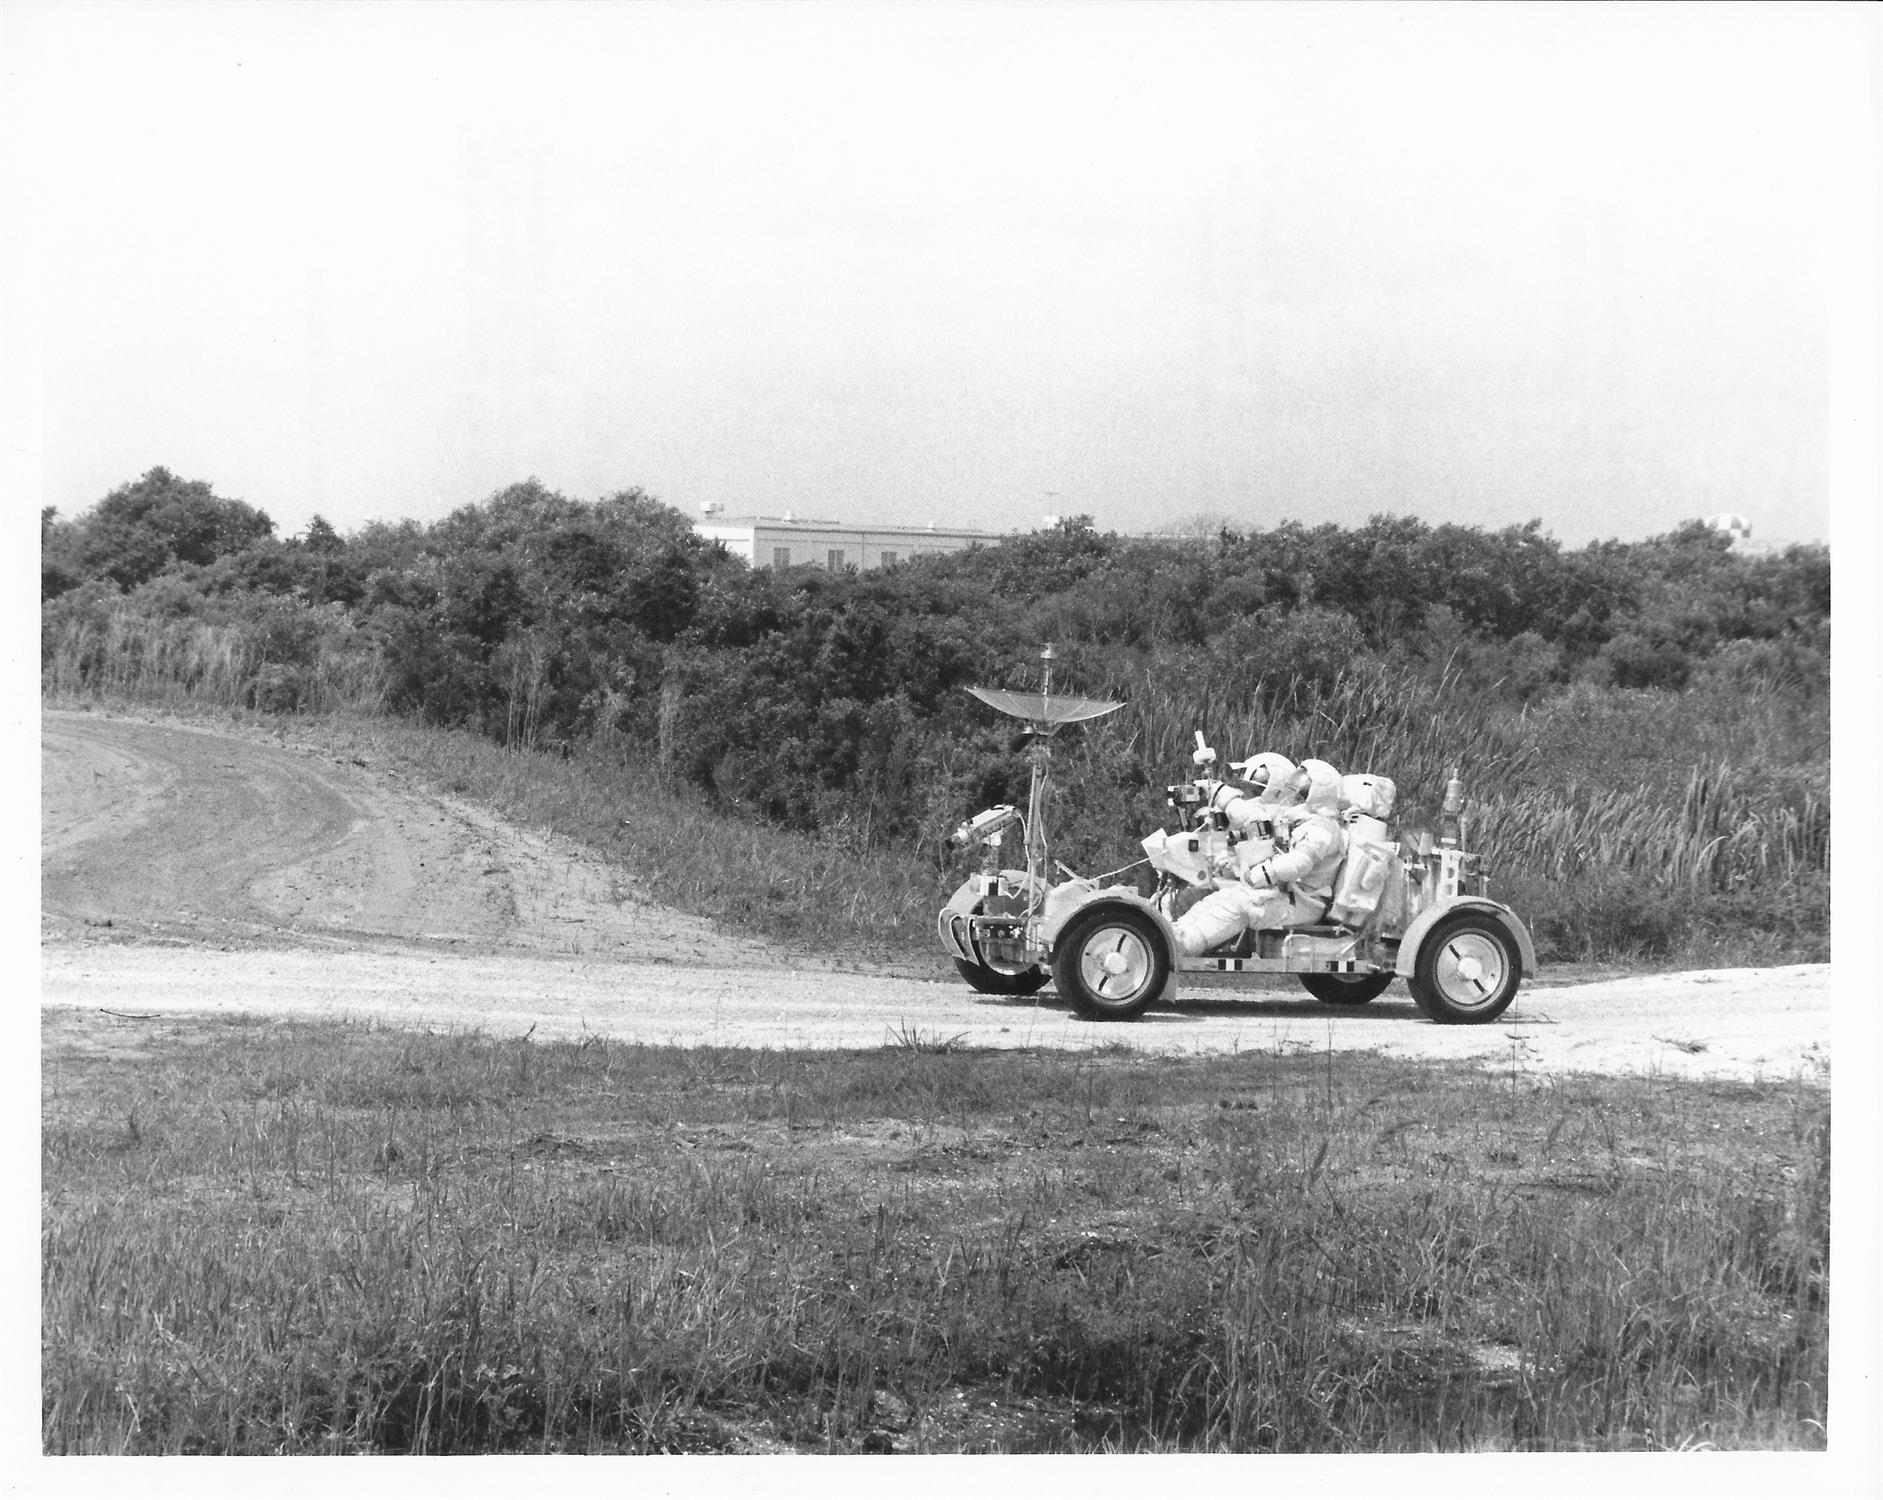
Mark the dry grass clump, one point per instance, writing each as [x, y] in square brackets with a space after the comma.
[268, 1238]
[294, 657]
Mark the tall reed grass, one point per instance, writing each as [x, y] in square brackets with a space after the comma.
[1722, 835]
[1631, 824]
[1371, 717]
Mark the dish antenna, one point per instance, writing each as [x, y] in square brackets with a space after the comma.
[1043, 714]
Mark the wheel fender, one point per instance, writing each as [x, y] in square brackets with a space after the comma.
[951, 923]
[1416, 930]
[964, 900]
[1059, 913]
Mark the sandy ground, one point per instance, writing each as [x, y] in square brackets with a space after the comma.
[190, 870]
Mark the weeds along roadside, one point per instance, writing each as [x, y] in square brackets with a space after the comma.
[268, 1237]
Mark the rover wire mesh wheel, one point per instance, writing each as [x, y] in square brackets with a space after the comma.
[993, 981]
[1110, 964]
[1346, 989]
[1468, 969]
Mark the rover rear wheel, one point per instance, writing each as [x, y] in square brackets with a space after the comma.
[1346, 989]
[992, 981]
[1468, 969]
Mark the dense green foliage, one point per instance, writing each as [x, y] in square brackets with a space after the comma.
[1645, 725]
[143, 529]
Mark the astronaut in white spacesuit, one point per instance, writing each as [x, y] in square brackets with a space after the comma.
[1290, 887]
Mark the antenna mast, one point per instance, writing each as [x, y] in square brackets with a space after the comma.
[1043, 715]
[1038, 856]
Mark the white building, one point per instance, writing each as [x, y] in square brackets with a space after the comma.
[1738, 530]
[789, 541]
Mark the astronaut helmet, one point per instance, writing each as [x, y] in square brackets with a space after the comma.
[1270, 774]
[1365, 795]
[1322, 796]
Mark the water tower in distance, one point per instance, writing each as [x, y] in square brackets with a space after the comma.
[1737, 529]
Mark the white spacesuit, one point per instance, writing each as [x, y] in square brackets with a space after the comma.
[1366, 878]
[1289, 888]
[1272, 778]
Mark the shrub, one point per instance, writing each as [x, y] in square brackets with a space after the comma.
[1632, 660]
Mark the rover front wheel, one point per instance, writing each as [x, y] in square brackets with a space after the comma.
[1111, 964]
[1467, 970]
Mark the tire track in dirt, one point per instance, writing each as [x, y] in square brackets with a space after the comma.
[178, 834]
[178, 828]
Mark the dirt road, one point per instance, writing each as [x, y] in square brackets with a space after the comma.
[190, 870]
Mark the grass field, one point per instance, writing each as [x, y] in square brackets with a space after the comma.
[272, 1237]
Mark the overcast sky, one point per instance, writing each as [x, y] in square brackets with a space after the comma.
[962, 263]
